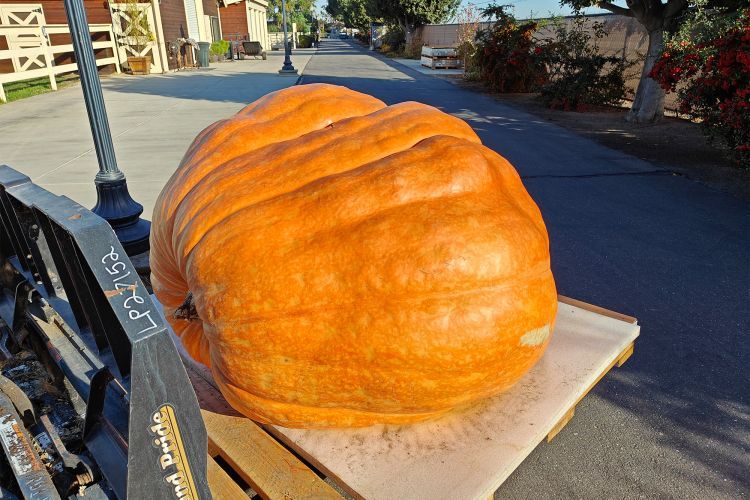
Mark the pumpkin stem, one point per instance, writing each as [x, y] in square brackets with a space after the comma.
[187, 310]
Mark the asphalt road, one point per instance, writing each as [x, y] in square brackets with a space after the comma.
[638, 239]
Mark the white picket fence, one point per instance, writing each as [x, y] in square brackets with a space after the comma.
[33, 55]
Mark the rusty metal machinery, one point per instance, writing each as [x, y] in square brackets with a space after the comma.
[94, 400]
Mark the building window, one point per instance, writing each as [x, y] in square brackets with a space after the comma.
[215, 28]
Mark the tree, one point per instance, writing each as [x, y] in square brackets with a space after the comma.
[657, 17]
[410, 14]
[468, 19]
[353, 13]
[297, 11]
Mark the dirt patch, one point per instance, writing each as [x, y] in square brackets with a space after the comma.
[673, 143]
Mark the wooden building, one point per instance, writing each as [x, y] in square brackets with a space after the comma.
[44, 12]
[245, 20]
[170, 21]
[196, 19]
[182, 19]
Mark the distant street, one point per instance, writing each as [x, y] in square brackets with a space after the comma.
[674, 422]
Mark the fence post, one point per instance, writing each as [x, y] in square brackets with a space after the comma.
[3, 98]
[115, 49]
[160, 44]
[48, 57]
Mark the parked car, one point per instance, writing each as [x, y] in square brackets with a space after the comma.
[343, 36]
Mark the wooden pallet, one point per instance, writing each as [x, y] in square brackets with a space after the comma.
[440, 58]
[440, 62]
[245, 460]
[618, 362]
[274, 462]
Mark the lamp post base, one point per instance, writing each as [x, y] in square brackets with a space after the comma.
[288, 72]
[114, 204]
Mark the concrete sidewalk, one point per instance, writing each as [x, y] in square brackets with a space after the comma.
[153, 120]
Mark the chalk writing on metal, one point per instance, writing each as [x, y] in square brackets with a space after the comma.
[116, 268]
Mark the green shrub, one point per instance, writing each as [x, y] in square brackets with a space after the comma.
[363, 36]
[472, 75]
[413, 49]
[219, 48]
[579, 76]
[393, 40]
[305, 41]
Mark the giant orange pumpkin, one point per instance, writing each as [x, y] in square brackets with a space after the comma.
[339, 262]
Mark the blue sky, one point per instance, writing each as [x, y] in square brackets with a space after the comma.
[522, 9]
[539, 8]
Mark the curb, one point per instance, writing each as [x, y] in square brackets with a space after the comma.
[302, 70]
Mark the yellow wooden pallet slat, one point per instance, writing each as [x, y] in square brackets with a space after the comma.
[261, 461]
[222, 486]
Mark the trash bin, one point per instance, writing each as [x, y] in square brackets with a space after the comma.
[203, 48]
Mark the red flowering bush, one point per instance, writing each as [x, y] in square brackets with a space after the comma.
[505, 54]
[712, 82]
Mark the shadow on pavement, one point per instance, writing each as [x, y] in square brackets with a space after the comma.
[237, 81]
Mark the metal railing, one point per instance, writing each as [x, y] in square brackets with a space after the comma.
[35, 56]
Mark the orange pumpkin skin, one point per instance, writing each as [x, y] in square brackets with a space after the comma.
[352, 263]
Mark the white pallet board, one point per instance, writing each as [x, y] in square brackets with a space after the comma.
[439, 63]
[469, 454]
[439, 51]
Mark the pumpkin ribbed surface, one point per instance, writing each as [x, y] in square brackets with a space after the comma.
[352, 263]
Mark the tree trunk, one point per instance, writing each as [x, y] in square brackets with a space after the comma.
[405, 28]
[648, 105]
[409, 33]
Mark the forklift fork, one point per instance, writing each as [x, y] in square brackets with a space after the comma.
[67, 280]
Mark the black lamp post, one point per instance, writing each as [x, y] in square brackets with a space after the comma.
[114, 203]
[287, 69]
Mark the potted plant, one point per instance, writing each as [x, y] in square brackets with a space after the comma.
[139, 37]
[219, 50]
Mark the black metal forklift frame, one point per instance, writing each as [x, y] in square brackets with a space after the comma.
[77, 289]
